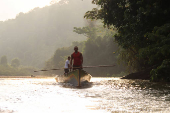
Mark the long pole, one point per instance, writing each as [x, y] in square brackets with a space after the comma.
[79, 79]
[79, 67]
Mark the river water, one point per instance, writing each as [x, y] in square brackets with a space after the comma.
[101, 95]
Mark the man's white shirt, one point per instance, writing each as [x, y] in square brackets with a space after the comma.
[66, 64]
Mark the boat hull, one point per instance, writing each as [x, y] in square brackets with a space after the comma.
[75, 77]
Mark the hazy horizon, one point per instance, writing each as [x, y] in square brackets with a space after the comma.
[9, 9]
[34, 36]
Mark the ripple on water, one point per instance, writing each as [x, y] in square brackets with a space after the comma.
[129, 95]
[108, 94]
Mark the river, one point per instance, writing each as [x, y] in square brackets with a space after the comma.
[101, 95]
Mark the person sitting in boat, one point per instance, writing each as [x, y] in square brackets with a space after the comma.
[77, 59]
[67, 66]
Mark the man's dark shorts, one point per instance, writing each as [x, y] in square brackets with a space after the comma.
[76, 67]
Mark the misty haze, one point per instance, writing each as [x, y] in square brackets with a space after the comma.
[84, 56]
[44, 37]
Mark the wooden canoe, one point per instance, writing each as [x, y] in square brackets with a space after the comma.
[74, 77]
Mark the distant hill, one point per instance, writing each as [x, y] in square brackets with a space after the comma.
[33, 37]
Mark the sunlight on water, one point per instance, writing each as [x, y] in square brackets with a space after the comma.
[40, 95]
[101, 95]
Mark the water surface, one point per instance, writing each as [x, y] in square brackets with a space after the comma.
[101, 95]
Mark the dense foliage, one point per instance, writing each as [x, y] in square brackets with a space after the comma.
[162, 72]
[8, 70]
[14, 69]
[143, 30]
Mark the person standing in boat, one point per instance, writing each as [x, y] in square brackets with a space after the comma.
[77, 59]
[67, 65]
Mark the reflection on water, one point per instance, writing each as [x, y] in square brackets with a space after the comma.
[101, 95]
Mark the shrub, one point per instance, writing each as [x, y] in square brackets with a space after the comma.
[162, 73]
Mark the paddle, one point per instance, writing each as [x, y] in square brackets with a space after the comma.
[79, 67]
[48, 70]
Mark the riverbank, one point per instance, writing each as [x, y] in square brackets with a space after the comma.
[144, 75]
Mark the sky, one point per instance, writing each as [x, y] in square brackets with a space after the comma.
[10, 8]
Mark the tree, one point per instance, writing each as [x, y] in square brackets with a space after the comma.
[4, 60]
[132, 18]
[15, 62]
[136, 21]
[34, 36]
[99, 48]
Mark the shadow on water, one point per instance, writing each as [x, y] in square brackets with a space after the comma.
[157, 89]
[145, 84]
[145, 87]
[139, 84]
